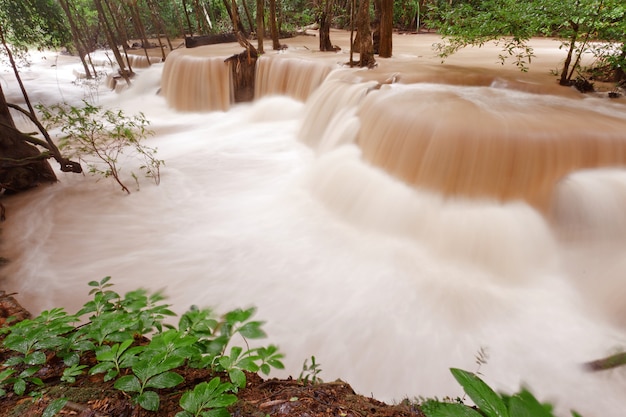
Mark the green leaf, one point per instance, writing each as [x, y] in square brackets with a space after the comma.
[54, 407]
[35, 358]
[237, 377]
[19, 387]
[439, 409]
[101, 367]
[224, 400]
[128, 383]
[252, 330]
[484, 397]
[219, 412]
[165, 380]
[524, 404]
[149, 400]
[190, 401]
[183, 414]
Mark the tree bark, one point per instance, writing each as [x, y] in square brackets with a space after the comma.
[273, 26]
[364, 38]
[248, 16]
[22, 166]
[260, 25]
[111, 40]
[77, 36]
[386, 29]
[326, 18]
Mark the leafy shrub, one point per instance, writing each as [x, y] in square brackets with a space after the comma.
[117, 330]
[487, 402]
[101, 137]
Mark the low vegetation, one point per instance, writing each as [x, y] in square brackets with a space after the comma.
[134, 344]
[109, 336]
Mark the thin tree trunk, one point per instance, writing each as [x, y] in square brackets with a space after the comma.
[326, 18]
[366, 46]
[111, 40]
[248, 16]
[140, 28]
[273, 26]
[568, 60]
[352, 22]
[386, 29]
[119, 32]
[78, 39]
[260, 25]
[189, 26]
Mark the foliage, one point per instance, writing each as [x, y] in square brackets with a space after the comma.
[512, 23]
[310, 373]
[33, 23]
[487, 402]
[207, 399]
[116, 332]
[101, 138]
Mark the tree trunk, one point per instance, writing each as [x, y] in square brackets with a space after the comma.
[273, 26]
[260, 25]
[619, 74]
[248, 16]
[326, 19]
[22, 166]
[234, 16]
[78, 39]
[364, 38]
[189, 26]
[111, 40]
[386, 29]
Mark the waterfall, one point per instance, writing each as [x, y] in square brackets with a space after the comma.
[390, 222]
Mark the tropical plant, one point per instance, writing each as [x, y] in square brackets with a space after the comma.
[117, 330]
[487, 403]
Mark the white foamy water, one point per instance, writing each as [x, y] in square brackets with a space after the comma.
[386, 284]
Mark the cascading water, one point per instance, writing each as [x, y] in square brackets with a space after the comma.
[389, 272]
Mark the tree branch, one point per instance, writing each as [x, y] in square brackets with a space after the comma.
[65, 164]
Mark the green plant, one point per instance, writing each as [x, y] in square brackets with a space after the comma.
[208, 399]
[100, 138]
[487, 402]
[117, 329]
[309, 373]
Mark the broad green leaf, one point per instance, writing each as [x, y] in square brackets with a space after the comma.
[224, 400]
[5, 374]
[190, 401]
[149, 400]
[237, 377]
[265, 369]
[101, 367]
[439, 409]
[128, 383]
[19, 387]
[183, 414]
[219, 412]
[524, 404]
[252, 330]
[484, 397]
[15, 360]
[54, 407]
[35, 358]
[165, 380]
[105, 353]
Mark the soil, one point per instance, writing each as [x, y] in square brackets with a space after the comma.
[91, 396]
